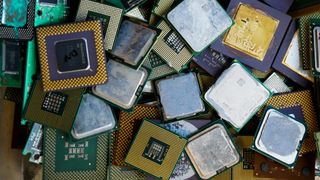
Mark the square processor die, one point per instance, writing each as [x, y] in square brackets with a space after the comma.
[133, 42]
[180, 96]
[71, 55]
[237, 95]
[256, 36]
[124, 86]
[279, 137]
[199, 22]
[94, 117]
[212, 151]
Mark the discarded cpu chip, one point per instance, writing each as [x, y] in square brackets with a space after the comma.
[199, 22]
[64, 159]
[129, 123]
[180, 96]
[155, 150]
[253, 24]
[17, 19]
[279, 137]
[289, 61]
[133, 42]
[71, 55]
[256, 36]
[212, 151]
[94, 117]
[171, 48]
[56, 109]
[184, 128]
[12, 55]
[304, 99]
[110, 18]
[124, 86]
[237, 95]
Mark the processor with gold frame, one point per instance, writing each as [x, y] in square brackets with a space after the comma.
[289, 61]
[129, 123]
[256, 36]
[155, 150]
[71, 55]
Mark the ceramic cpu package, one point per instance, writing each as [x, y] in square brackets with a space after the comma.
[237, 95]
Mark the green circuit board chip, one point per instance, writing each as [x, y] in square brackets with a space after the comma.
[12, 55]
[65, 159]
[50, 12]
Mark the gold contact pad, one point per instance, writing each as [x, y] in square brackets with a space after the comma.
[252, 33]
[305, 100]
[128, 123]
[149, 130]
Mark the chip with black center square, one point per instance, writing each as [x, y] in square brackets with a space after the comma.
[72, 55]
